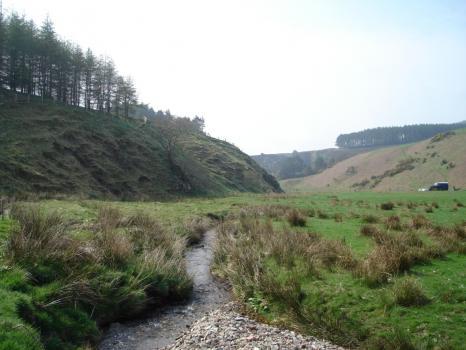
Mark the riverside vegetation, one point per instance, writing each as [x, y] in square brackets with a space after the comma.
[363, 270]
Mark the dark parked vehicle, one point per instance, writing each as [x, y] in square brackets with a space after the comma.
[439, 186]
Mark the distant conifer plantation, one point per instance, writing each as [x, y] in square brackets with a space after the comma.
[397, 135]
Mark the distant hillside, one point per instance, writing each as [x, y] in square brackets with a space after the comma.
[299, 164]
[396, 135]
[59, 150]
[396, 168]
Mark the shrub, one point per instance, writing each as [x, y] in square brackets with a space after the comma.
[387, 206]
[441, 136]
[295, 218]
[393, 223]
[363, 183]
[408, 292]
[370, 219]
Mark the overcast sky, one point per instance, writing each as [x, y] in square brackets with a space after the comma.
[279, 75]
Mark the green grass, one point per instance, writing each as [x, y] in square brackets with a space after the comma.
[341, 306]
[59, 285]
[327, 296]
[55, 151]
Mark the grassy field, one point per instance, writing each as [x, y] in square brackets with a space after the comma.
[371, 270]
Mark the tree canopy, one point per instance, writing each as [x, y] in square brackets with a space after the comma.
[34, 61]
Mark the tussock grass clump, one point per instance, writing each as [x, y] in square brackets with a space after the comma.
[37, 236]
[109, 218]
[369, 230]
[408, 292]
[250, 254]
[429, 210]
[419, 221]
[387, 206]
[114, 248]
[332, 253]
[76, 284]
[270, 211]
[393, 254]
[338, 217]
[370, 219]
[311, 212]
[396, 339]
[393, 222]
[452, 239]
[322, 214]
[194, 228]
[296, 218]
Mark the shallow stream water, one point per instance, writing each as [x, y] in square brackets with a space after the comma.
[165, 325]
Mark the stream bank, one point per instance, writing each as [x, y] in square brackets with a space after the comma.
[165, 325]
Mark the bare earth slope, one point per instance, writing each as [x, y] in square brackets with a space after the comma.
[398, 168]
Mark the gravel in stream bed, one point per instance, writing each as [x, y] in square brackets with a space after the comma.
[225, 328]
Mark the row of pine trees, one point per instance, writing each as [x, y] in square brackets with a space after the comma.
[35, 62]
[386, 136]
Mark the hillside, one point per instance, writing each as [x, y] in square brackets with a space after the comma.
[299, 164]
[397, 168]
[60, 150]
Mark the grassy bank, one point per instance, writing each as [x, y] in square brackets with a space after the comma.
[61, 280]
[363, 270]
[347, 267]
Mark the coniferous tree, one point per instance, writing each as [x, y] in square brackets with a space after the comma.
[89, 70]
[386, 136]
[128, 95]
[2, 43]
[34, 61]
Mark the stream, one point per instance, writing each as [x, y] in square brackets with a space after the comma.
[164, 326]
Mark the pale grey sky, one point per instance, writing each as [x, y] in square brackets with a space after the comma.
[278, 75]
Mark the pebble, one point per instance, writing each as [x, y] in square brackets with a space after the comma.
[225, 328]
